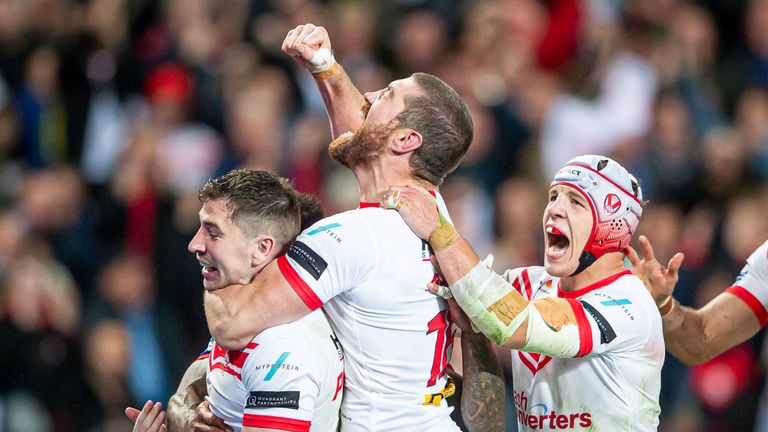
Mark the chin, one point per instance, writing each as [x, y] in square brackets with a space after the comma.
[560, 270]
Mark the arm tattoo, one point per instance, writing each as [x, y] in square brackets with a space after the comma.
[483, 393]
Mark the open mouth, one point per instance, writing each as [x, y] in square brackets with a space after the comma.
[208, 271]
[557, 242]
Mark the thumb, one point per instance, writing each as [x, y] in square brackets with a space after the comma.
[305, 52]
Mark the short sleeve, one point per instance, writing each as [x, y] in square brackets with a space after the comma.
[332, 256]
[751, 285]
[281, 386]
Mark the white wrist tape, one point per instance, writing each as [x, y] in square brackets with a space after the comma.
[321, 61]
[543, 339]
[479, 289]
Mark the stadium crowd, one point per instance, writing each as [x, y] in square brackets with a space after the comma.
[114, 112]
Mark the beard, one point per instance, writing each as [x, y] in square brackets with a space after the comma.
[362, 147]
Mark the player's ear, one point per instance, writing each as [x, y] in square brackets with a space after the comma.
[263, 250]
[405, 140]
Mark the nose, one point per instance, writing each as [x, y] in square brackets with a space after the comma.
[556, 208]
[196, 245]
[372, 96]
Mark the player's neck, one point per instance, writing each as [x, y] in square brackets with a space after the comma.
[608, 265]
[375, 178]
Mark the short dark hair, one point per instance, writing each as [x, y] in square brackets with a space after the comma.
[259, 202]
[443, 120]
[311, 210]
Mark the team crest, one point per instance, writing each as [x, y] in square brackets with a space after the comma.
[611, 204]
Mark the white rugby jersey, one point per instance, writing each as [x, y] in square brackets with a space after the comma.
[613, 382]
[369, 272]
[751, 284]
[289, 377]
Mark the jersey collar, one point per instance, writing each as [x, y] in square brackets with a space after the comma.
[597, 285]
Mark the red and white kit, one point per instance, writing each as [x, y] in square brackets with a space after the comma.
[612, 383]
[290, 377]
[369, 271]
[751, 285]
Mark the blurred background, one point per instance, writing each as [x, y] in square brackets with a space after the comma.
[113, 112]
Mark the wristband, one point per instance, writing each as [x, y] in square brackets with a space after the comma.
[443, 235]
[333, 70]
[666, 306]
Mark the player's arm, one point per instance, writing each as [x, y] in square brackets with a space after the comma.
[696, 336]
[548, 326]
[237, 313]
[310, 46]
[187, 409]
[482, 393]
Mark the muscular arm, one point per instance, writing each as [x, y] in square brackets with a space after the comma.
[482, 393]
[237, 313]
[342, 99]
[191, 391]
[500, 312]
[342, 102]
[696, 336]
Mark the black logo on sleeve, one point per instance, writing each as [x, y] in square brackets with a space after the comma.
[606, 331]
[308, 259]
[273, 399]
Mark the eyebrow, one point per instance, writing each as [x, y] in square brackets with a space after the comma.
[213, 225]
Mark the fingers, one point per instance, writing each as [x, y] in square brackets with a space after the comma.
[204, 415]
[144, 412]
[304, 41]
[675, 263]
[646, 248]
[633, 257]
[132, 414]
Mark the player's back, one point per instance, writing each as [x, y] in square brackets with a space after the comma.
[289, 376]
[396, 335]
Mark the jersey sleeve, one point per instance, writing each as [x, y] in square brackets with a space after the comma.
[751, 285]
[281, 386]
[332, 256]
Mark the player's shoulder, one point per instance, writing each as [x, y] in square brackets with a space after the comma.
[529, 280]
[759, 258]
[336, 228]
[625, 290]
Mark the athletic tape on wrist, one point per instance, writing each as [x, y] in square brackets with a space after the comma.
[443, 235]
[321, 60]
[542, 338]
[477, 291]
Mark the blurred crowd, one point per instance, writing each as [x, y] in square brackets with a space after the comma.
[113, 112]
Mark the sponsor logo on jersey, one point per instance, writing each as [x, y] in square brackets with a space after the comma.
[618, 302]
[328, 229]
[607, 334]
[308, 259]
[273, 399]
[539, 416]
[611, 204]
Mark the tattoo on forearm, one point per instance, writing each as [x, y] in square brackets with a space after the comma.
[483, 394]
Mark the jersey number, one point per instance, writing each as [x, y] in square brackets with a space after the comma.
[441, 324]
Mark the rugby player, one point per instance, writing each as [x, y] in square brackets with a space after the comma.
[586, 336]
